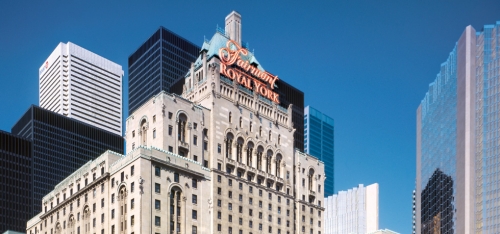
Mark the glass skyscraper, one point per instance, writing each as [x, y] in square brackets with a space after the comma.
[59, 146]
[458, 140]
[319, 142]
[160, 63]
[15, 182]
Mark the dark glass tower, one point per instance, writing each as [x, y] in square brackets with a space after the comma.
[15, 182]
[60, 145]
[291, 95]
[319, 142]
[157, 65]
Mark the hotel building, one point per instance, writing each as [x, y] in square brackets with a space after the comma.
[82, 85]
[352, 211]
[457, 140]
[319, 141]
[218, 159]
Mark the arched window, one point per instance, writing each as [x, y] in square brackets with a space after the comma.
[260, 150]
[229, 143]
[176, 209]
[269, 161]
[181, 127]
[278, 165]
[144, 129]
[310, 177]
[239, 150]
[249, 153]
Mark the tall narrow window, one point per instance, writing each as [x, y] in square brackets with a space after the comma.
[230, 117]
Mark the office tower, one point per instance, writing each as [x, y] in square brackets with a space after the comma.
[158, 64]
[457, 147]
[15, 174]
[79, 84]
[60, 145]
[198, 163]
[352, 211]
[414, 213]
[319, 141]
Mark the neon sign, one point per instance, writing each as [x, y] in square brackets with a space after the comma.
[235, 68]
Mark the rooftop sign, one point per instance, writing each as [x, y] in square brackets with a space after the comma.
[235, 68]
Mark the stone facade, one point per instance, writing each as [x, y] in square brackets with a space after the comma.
[225, 159]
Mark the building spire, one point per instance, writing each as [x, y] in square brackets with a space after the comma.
[233, 26]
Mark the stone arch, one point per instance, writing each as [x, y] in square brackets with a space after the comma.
[278, 168]
[250, 149]
[269, 160]
[310, 177]
[239, 149]
[182, 125]
[259, 154]
[228, 142]
[143, 129]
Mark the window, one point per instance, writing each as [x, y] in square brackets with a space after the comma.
[230, 194]
[112, 213]
[86, 181]
[93, 209]
[195, 140]
[205, 145]
[157, 204]
[169, 115]
[270, 196]
[176, 177]
[102, 203]
[230, 182]
[195, 199]
[219, 227]
[195, 125]
[279, 209]
[78, 187]
[133, 146]
[219, 191]
[250, 189]
[102, 218]
[133, 133]
[102, 188]
[112, 198]
[287, 212]
[250, 212]
[250, 201]
[157, 188]
[157, 171]
[219, 149]
[170, 128]
[132, 187]
[260, 192]
[195, 230]
[219, 214]
[250, 224]
[219, 203]
[194, 183]
[260, 215]
[154, 133]
[240, 186]
[260, 226]
[260, 204]
[112, 182]
[240, 198]
[230, 206]
[154, 118]
[195, 158]
[230, 117]
[270, 207]
[93, 222]
[230, 218]
[157, 221]
[195, 214]
[170, 149]
[240, 209]
[219, 178]
[132, 220]
[132, 204]
[240, 221]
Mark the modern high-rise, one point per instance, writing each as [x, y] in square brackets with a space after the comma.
[59, 146]
[217, 159]
[319, 141]
[352, 211]
[457, 140]
[158, 64]
[15, 182]
[82, 85]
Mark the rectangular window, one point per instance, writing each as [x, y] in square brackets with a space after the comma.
[132, 170]
[132, 187]
[132, 221]
[195, 230]
[195, 214]
[194, 183]
[195, 140]
[205, 145]
[157, 171]
[157, 204]
[230, 182]
[219, 178]
[112, 213]
[219, 214]
[230, 206]
[170, 130]
[132, 203]
[219, 203]
[154, 133]
[195, 199]
[157, 188]
[219, 148]
[102, 202]
[219, 191]
[157, 221]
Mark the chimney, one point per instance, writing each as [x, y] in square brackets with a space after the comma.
[233, 26]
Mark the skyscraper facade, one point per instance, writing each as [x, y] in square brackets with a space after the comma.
[319, 141]
[457, 140]
[158, 64]
[15, 182]
[77, 83]
[352, 211]
[59, 146]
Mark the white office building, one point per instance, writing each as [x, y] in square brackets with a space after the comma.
[82, 85]
[354, 211]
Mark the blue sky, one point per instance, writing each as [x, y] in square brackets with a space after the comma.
[367, 64]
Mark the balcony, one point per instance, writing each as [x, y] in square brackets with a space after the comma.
[183, 144]
[241, 165]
